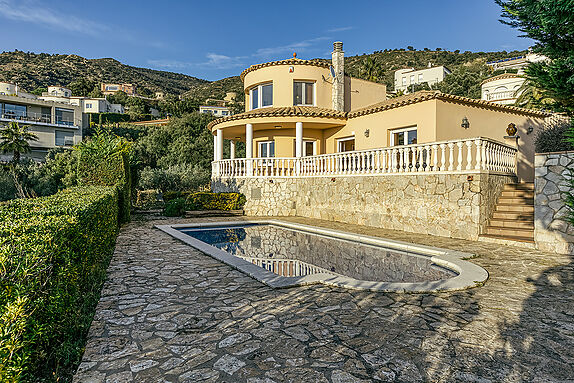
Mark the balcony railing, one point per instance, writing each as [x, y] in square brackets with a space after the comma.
[456, 156]
[36, 118]
[505, 95]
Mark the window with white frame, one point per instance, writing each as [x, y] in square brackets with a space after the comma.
[303, 93]
[412, 78]
[405, 136]
[266, 149]
[346, 144]
[261, 95]
[420, 78]
[404, 81]
[88, 106]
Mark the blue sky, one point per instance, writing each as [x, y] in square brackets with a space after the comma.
[217, 39]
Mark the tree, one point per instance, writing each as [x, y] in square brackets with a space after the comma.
[15, 138]
[82, 87]
[465, 80]
[551, 24]
[371, 70]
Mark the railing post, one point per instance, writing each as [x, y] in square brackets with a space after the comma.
[459, 157]
[478, 143]
[450, 156]
[468, 154]
[435, 157]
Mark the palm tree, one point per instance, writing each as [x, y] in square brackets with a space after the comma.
[371, 70]
[529, 96]
[15, 138]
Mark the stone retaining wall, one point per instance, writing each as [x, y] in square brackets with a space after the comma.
[438, 204]
[551, 230]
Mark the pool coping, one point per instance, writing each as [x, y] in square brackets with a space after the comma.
[469, 274]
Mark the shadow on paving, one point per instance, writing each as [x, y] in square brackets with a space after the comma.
[226, 327]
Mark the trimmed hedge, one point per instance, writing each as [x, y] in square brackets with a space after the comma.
[215, 201]
[53, 257]
[114, 170]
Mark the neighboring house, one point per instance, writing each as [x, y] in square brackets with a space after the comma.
[296, 108]
[505, 88]
[405, 79]
[88, 104]
[8, 89]
[519, 62]
[219, 111]
[56, 124]
[502, 89]
[129, 89]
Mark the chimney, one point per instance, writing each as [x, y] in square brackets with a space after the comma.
[338, 91]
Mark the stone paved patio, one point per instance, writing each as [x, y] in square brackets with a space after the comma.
[168, 313]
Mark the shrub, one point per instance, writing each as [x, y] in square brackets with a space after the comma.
[553, 139]
[174, 178]
[53, 256]
[215, 201]
[148, 199]
[103, 161]
[175, 208]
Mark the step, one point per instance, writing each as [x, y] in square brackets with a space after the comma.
[515, 201]
[515, 208]
[513, 215]
[510, 232]
[512, 224]
[507, 240]
[517, 193]
[523, 186]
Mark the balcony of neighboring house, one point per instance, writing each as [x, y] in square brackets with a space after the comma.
[54, 117]
[501, 95]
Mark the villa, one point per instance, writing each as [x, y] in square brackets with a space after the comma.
[322, 144]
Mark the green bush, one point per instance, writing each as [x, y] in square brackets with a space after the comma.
[53, 256]
[148, 199]
[553, 139]
[175, 208]
[103, 161]
[215, 201]
[174, 178]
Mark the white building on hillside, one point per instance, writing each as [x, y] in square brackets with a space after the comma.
[406, 78]
[218, 111]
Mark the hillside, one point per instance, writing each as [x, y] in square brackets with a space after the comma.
[32, 70]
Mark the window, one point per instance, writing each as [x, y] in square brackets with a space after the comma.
[303, 93]
[261, 96]
[407, 136]
[309, 148]
[64, 116]
[224, 112]
[404, 81]
[412, 78]
[266, 149]
[111, 87]
[420, 78]
[46, 114]
[89, 106]
[346, 144]
[13, 111]
[64, 138]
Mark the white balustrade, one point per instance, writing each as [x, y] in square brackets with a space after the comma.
[455, 156]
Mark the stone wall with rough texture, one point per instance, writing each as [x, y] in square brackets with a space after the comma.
[552, 232]
[438, 204]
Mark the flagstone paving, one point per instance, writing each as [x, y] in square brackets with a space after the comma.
[169, 313]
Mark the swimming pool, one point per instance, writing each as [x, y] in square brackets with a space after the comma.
[284, 254]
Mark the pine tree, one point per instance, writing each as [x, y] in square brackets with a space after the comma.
[551, 24]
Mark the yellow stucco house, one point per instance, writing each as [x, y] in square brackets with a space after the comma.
[299, 111]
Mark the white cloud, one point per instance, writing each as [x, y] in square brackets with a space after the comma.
[339, 29]
[213, 61]
[31, 12]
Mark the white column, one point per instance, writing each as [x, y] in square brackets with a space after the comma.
[214, 148]
[248, 141]
[219, 144]
[232, 149]
[299, 139]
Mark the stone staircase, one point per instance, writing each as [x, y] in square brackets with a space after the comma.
[512, 221]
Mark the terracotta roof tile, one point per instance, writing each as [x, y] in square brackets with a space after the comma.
[292, 61]
[425, 95]
[501, 76]
[292, 111]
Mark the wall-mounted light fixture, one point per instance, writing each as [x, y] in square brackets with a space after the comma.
[277, 126]
[511, 129]
[530, 129]
[367, 132]
[465, 124]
